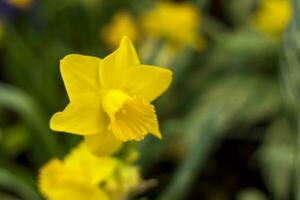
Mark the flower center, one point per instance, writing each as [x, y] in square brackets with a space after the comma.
[131, 118]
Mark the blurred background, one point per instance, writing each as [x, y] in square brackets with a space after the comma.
[229, 120]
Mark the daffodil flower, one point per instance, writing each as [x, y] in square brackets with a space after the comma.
[121, 24]
[272, 16]
[110, 98]
[164, 20]
[83, 176]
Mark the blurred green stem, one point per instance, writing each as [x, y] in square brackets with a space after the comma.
[200, 3]
[29, 110]
[297, 157]
[212, 115]
[19, 171]
[183, 180]
[290, 67]
[297, 162]
[9, 180]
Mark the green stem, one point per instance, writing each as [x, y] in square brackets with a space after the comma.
[290, 68]
[187, 172]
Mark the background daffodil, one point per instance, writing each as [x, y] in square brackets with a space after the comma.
[273, 16]
[178, 23]
[110, 98]
[22, 4]
[122, 23]
[83, 176]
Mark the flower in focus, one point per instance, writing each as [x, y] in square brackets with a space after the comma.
[110, 98]
[176, 22]
[122, 24]
[22, 4]
[272, 16]
[83, 176]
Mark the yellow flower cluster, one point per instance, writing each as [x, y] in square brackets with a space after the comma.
[83, 176]
[273, 16]
[176, 23]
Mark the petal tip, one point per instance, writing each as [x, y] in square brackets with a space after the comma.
[66, 57]
[125, 38]
[126, 42]
[52, 123]
[157, 134]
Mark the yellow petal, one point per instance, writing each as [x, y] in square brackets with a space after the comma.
[131, 118]
[81, 193]
[155, 130]
[148, 82]
[92, 169]
[48, 176]
[113, 66]
[103, 144]
[83, 116]
[80, 74]
[56, 182]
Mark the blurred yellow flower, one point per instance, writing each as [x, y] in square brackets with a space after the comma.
[122, 24]
[22, 4]
[125, 180]
[272, 16]
[110, 98]
[83, 176]
[176, 22]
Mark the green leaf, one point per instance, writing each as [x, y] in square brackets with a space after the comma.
[250, 194]
[4, 196]
[20, 102]
[14, 139]
[276, 157]
[215, 112]
[11, 182]
[290, 67]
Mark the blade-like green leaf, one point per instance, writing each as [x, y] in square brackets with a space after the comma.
[11, 182]
[28, 109]
[205, 125]
[290, 67]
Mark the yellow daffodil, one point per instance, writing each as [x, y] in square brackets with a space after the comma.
[22, 4]
[122, 24]
[272, 16]
[110, 98]
[83, 176]
[176, 22]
